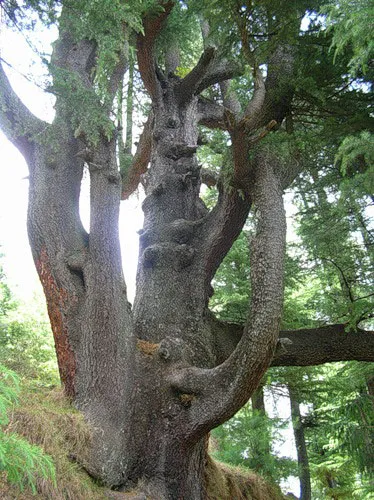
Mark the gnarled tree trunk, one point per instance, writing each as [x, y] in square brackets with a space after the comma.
[154, 379]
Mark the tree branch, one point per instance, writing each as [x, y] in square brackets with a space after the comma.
[315, 346]
[78, 57]
[190, 84]
[230, 100]
[228, 217]
[223, 226]
[172, 59]
[131, 178]
[220, 72]
[278, 84]
[211, 114]
[344, 278]
[16, 120]
[208, 177]
[221, 391]
[303, 347]
[146, 44]
[116, 77]
[254, 107]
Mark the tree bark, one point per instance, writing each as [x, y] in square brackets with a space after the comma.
[303, 347]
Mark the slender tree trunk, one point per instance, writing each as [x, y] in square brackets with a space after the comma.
[370, 387]
[331, 482]
[129, 108]
[258, 405]
[302, 453]
[258, 400]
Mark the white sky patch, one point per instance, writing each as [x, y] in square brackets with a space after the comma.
[18, 263]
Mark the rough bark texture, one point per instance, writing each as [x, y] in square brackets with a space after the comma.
[153, 381]
[304, 347]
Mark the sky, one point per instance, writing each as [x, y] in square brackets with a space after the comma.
[17, 260]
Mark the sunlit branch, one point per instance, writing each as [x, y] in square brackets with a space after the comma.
[140, 161]
[17, 122]
[146, 44]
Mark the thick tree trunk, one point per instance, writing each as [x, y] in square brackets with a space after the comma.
[170, 306]
[84, 287]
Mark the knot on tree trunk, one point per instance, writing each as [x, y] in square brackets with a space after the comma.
[176, 151]
[168, 254]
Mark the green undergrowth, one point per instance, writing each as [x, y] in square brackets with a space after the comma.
[44, 418]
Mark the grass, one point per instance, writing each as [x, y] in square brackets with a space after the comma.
[225, 482]
[45, 418]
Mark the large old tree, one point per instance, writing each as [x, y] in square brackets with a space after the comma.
[154, 378]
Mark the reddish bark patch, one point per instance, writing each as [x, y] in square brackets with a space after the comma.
[57, 301]
[147, 348]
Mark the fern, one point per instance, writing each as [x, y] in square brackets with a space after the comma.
[23, 462]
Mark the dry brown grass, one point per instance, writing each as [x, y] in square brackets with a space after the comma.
[224, 482]
[45, 418]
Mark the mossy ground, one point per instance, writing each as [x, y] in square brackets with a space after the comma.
[46, 418]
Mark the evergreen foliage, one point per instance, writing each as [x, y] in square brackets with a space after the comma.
[26, 342]
[23, 463]
[351, 23]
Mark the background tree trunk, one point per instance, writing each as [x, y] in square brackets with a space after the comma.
[302, 453]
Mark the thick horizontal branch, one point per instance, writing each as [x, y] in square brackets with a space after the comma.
[16, 120]
[323, 345]
[304, 347]
[131, 179]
